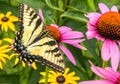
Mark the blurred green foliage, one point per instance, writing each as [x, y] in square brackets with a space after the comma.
[62, 12]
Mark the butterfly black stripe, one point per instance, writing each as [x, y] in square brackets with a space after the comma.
[50, 43]
[28, 8]
[38, 22]
[58, 54]
[61, 61]
[36, 26]
[40, 36]
[54, 50]
[31, 12]
[34, 16]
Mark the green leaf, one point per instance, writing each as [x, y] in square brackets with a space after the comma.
[60, 4]
[75, 9]
[91, 4]
[75, 15]
[5, 7]
[91, 45]
[14, 3]
[53, 7]
[9, 79]
[36, 4]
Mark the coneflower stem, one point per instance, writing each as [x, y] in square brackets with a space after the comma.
[104, 64]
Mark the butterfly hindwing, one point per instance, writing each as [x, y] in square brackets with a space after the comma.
[48, 48]
[34, 43]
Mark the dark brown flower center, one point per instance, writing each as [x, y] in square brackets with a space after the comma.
[60, 79]
[54, 32]
[4, 19]
[108, 25]
[118, 80]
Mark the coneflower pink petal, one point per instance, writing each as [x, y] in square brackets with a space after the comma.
[99, 37]
[41, 14]
[105, 52]
[97, 82]
[115, 73]
[103, 8]
[96, 70]
[91, 33]
[54, 25]
[93, 18]
[79, 46]
[68, 54]
[72, 35]
[104, 73]
[110, 49]
[115, 55]
[64, 29]
[114, 8]
[72, 41]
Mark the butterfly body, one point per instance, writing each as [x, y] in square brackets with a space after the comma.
[34, 44]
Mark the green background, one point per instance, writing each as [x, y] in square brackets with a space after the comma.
[62, 12]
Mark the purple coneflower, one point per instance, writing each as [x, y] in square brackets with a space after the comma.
[105, 26]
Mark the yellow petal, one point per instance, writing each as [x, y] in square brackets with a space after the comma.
[71, 74]
[76, 78]
[1, 16]
[1, 66]
[53, 73]
[13, 54]
[8, 14]
[42, 81]
[13, 18]
[1, 42]
[66, 71]
[11, 26]
[72, 82]
[42, 73]
[4, 27]
[8, 40]
[2, 59]
[34, 66]
[5, 55]
[53, 83]
[0, 22]
[4, 47]
[5, 50]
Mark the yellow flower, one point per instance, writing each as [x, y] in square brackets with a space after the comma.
[17, 59]
[4, 49]
[7, 21]
[59, 78]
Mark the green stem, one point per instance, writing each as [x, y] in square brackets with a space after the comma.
[58, 13]
[68, 2]
[47, 73]
[104, 64]
[25, 75]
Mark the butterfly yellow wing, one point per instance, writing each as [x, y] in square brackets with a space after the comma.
[32, 24]
[34, 43]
